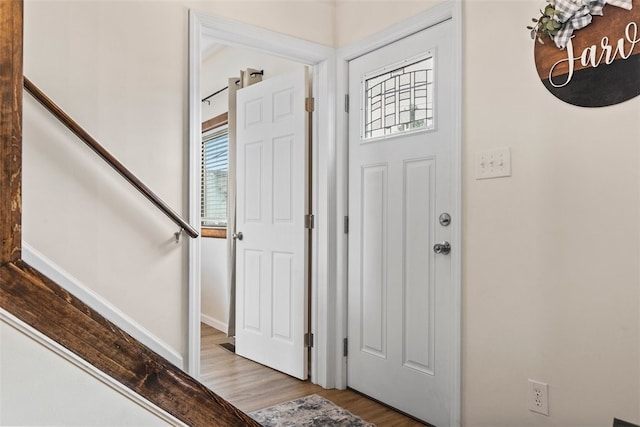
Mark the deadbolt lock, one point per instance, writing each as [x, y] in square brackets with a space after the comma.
[445, 219]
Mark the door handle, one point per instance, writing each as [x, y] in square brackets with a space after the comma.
[238, 235]
[442, 248]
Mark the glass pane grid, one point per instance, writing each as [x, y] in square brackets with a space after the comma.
[400, 100]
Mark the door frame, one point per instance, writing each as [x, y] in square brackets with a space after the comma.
[322, 60]
[448, 10]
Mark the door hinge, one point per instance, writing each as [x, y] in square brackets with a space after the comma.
[346, 225]
[346, 103]
[308, 339]
[345, 347]
[309, 221]
[310, 104]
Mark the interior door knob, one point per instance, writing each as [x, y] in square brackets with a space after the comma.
[238, 235]
[442, 248]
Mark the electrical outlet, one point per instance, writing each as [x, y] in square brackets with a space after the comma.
[539, 397]
[493, 163]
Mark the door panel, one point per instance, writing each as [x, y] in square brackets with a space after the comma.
[419, 284]
[400, 180]
[283, 151]
[374, 247]
[251, 296]
[272, 295]
[252, 188]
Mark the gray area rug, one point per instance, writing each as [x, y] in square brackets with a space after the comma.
[311, 410]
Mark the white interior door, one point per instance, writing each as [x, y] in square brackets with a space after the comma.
[400, 182]
[272, 179]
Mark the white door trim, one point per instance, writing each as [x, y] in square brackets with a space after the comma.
[322, 59]
[448, 10]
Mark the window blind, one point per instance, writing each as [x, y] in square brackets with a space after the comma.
[215, 167]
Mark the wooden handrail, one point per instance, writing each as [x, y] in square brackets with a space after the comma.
[74, 127]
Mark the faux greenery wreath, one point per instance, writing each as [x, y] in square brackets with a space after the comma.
[545, 25]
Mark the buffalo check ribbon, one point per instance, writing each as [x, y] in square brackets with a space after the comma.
[576, 14]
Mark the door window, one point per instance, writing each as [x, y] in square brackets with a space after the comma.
[399, 99]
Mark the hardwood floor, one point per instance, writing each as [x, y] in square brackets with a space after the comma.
[251, 386]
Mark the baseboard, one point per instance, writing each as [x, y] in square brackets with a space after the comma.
[214, 323]
[72, 358]
[54, 272]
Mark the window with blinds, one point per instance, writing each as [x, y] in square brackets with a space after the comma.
[215, 167]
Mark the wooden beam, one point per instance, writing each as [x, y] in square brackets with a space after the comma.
[11, 22]
[217, 233]
[215, 122]
[47, 307]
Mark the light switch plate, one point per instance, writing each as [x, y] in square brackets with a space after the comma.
[494, 163]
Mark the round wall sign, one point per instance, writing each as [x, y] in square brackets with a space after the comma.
[600, 64]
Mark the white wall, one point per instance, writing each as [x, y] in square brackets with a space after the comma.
[551, 286]
[120, 69]
[356, 19]
[214, 284]
[39, 387]
[217, 68]
[546, 296]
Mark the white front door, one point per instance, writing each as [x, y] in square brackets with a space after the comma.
[400, 297]
[272, 182]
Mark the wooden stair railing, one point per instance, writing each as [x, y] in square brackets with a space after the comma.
[74, 127]
[33, 298]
